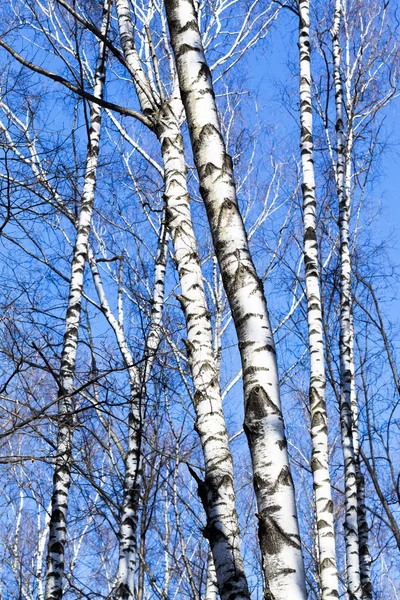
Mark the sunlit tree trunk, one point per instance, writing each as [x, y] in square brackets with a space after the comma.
[211, 580]
[328, 575]
[62, 470]
[278, 527]
[355, 507]
[217, 490]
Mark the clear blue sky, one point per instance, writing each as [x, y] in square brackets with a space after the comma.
[270, 72]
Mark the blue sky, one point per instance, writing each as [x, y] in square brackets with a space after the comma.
[270, 71]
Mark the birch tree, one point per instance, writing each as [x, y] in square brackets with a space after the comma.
[319, 425]
[278, 529]
[138, 380]
[138, 377]
[368, 68]
[210, 347]
[357, 66]
[348, 401]
[144, 378]
[62, 471]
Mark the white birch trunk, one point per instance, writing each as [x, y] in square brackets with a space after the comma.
[138, 379]
[126, 32]
[211, 580]
[62, 470]
[355, 507]
[363, 534]
[41, 546]
[217, 491]
[134, 458]
[155, 329]
[278, 527]
[131, 495]
[363, 528]
[328, 575]
[125, 579]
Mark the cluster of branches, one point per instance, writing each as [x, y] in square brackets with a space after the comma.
[148, 211]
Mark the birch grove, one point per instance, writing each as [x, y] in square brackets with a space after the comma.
[216, 492]
[199, 382]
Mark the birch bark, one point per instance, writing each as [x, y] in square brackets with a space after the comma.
[211, 592]
[278, 527]
[355, 520]
[125, 579]
[328, 575]
[138, 380]
[217, 490]
[62, 470]
[133, 464]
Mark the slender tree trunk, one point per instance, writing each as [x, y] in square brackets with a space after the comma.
[370, 463]
[217, 490]
[319, 423]
[355, 520]
[381, 495]
[362, 523]
[363, 533]
[62, 470]
[138, 380]
[155, 329]
[125, 579]
[134, 458]
[125, 585]
[41, 547]
[126, 32]
[278, 527]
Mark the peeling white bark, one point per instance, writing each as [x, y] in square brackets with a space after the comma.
[278, 527]
[328, 575]
[62, 470]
